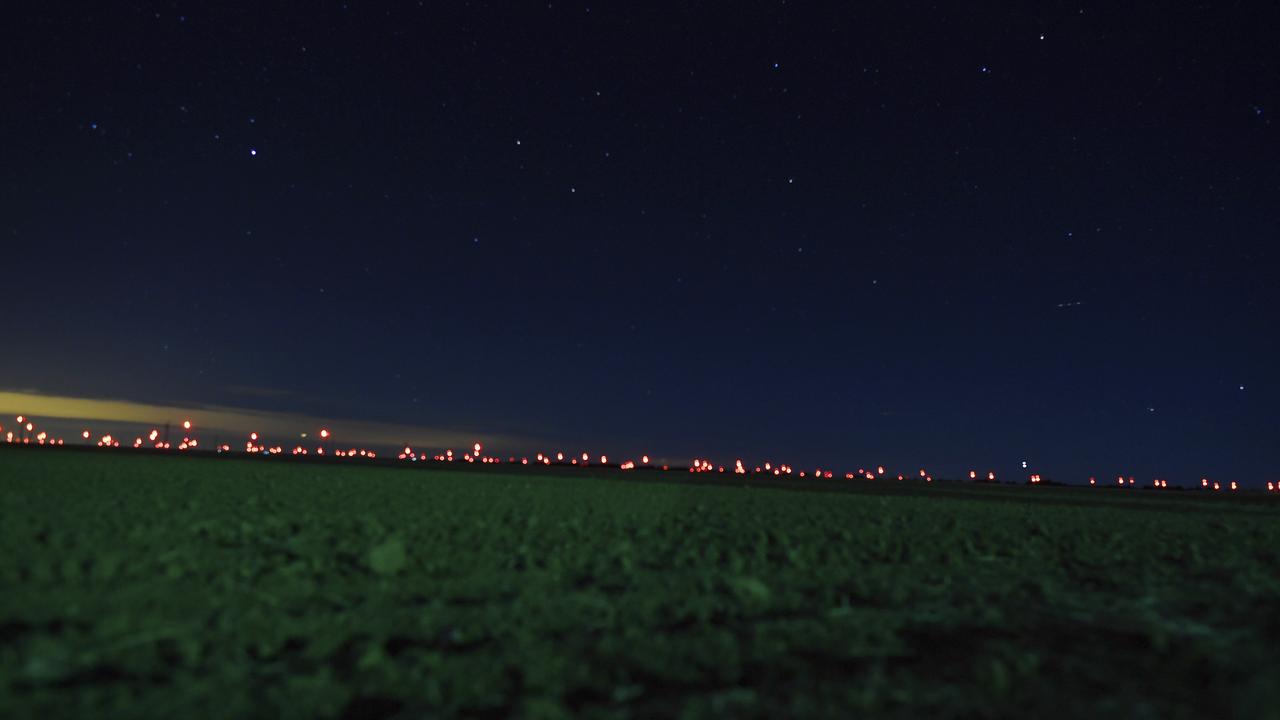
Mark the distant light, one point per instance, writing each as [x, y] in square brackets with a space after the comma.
[186, 424]
[253, 152]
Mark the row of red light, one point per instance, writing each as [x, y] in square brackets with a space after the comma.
[699, 465]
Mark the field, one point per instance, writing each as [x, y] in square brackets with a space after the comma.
[136, 586]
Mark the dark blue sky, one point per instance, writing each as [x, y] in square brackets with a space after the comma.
[803, 231]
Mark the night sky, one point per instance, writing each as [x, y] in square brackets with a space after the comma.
[907, 233]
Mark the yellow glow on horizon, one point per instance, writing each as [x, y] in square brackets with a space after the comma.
[231, 420]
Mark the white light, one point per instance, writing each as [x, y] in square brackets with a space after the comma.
[253, 152]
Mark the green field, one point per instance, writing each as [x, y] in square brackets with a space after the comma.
[136, 586]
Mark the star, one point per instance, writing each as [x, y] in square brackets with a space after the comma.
[253, 152]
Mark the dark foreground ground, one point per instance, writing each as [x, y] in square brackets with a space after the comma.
[139, 587]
